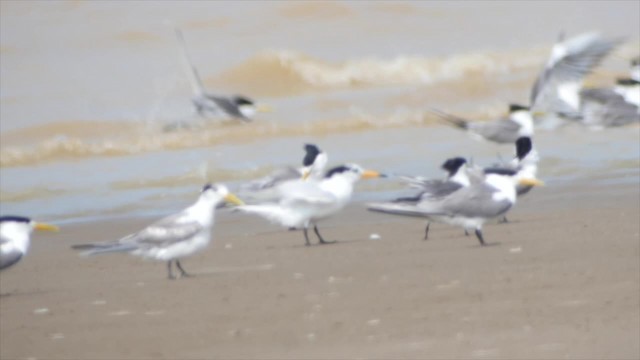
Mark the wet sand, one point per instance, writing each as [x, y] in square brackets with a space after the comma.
[561, 281]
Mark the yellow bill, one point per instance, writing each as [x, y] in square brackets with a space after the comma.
[45, 227]
[306, 173]
[530, 182]
[370, 174]
[231, 198]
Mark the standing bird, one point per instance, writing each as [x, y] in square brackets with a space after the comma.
[314, 163]
[609, 107]
[469, 207]
[237, 107]
[518, 123]
[15, 238]
[456, 178]
[304, 203]
[556, 92]
[174, 237]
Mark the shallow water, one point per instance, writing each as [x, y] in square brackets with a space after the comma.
[88, 86]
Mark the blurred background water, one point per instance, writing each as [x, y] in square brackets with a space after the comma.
[87, 87]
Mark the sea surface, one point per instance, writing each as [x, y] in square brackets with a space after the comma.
[87, 89]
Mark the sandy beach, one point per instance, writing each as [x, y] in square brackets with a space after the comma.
[561, 281]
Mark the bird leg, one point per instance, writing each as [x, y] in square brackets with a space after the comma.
[479, 236]
[306, 237]
[182, 272]
[426, 231]
[504, 220]
[171, 276]
[466, 233]
[322, 241]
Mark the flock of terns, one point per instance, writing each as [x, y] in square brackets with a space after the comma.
[300, 198]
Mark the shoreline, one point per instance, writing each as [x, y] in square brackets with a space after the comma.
[563, 280]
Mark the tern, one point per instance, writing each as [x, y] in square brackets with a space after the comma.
[237, 107]
[303, 204]
[469, 207]
[518, 123]
[15, 238]
[314, 163]
[456, 178]
[174, 237]
[609, 107]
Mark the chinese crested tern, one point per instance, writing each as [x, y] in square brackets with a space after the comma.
[314, 163]
[304, 203]
[469, 207]
[174, 237]
[15, 238]
[429, 188]
[237, 107]
[518, 123]
[609, 107]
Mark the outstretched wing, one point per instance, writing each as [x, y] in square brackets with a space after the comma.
[556, 88]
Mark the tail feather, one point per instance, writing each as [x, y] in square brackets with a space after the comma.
[451, 119]
[271, 212]
[98, 249]
[399, 209]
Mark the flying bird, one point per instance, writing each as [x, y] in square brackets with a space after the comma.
[239, 107]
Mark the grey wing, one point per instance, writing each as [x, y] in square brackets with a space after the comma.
[606, 108]
[8, 258]
[500, 131]
[165, 232]
[580, 56]
[227, 106]
[475, 201]
[304, 193]
[277, 177]
[438, 189]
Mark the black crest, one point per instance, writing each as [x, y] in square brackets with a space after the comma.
[500, 171]
[312, 153]
[517, 107]
[241, 100]
[14, 218]
[209, 187]
[523, 147]
[627, 82]
[337, 170]
[452, 165]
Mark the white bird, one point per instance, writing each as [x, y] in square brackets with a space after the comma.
[518, 123]
[237, 107]
[15, 238]
[469, 207]
[314, 163]
[304, 203]
[556, 92]
[174, 237]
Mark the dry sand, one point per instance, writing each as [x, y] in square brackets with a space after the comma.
[563, 281]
